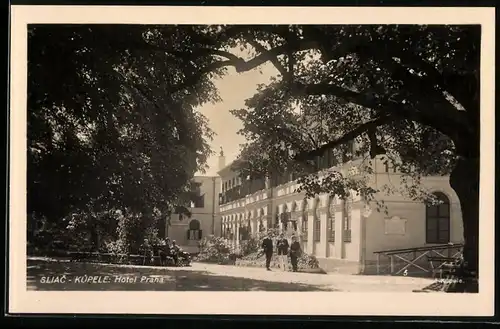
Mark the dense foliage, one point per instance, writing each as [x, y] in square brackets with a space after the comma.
[111, 129]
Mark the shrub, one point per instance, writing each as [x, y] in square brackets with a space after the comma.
[216, 250]
[119, 250]
[250, 246]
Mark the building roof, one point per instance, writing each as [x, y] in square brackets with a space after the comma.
[228, 167]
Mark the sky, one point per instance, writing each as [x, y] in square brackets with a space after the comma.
[234, 88]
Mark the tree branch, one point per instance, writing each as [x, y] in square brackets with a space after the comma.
[261, 49]
[360, 129]
[240, 64]
[425, 90]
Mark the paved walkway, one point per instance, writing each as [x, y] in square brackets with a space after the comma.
[44, 275]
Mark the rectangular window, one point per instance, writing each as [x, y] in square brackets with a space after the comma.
[317, 163]
[332, 158]
[199, 202]
[387, 166]
[347, 235]
[323, 161]
[348, 150]
[317, 230]
[331, 229]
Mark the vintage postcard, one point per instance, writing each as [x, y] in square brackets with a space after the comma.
[243, 160]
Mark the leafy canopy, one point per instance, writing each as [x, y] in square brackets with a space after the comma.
[110, 124]
[407, 92]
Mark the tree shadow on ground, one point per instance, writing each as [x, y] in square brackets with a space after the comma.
[127, 278]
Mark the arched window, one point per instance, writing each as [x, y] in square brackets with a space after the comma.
[437, 220]
[194, 231]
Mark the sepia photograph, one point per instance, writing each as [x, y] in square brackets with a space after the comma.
[341, 157]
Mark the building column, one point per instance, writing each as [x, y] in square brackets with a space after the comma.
[237, 229]
[278, 218]
[356, 229]
[253, 225]
[339, 234]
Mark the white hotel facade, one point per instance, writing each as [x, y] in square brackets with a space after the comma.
[342, 235]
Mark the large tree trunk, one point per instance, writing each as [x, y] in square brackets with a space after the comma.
[464, 179]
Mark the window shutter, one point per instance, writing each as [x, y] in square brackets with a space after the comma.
[200, 234]
[187, 234]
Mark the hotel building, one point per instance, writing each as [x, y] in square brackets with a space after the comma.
[343, 235]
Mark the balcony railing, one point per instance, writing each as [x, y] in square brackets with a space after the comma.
[327, 160]
[241, 191]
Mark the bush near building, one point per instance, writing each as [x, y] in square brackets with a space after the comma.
[216, 250]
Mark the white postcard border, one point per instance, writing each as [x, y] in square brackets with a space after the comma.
[306, 303]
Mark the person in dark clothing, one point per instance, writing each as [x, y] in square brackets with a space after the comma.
[295, 252]
[282, 247]
[267, 248]
[164, 252]
[174, 251]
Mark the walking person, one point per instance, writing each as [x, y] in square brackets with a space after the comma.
[282, 246]
[267, 248]
[295, 252]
